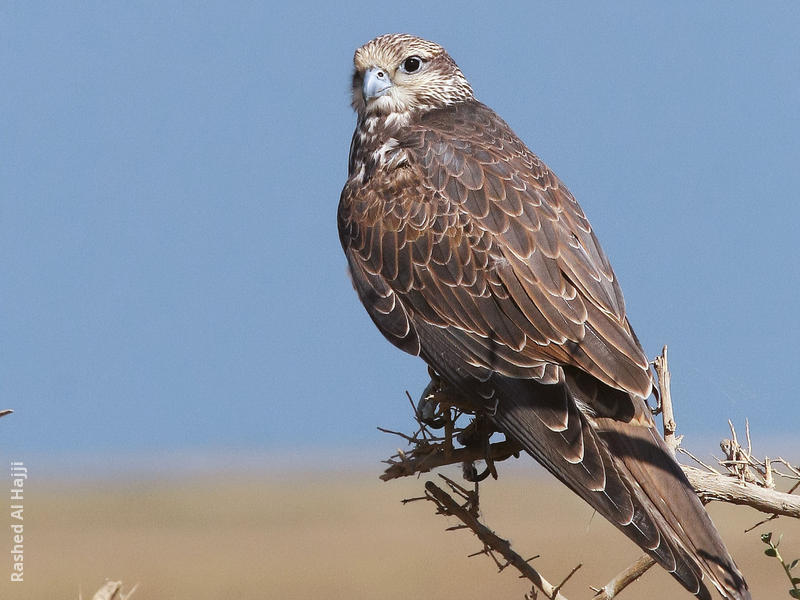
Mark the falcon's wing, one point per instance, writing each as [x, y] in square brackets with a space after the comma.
[471, 232]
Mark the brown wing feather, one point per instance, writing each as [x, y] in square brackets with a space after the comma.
[497, 248]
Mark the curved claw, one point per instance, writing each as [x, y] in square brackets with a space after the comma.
[470, 472]
[478, 433]
[427, 407]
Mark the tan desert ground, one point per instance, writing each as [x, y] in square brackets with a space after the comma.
[312, 536]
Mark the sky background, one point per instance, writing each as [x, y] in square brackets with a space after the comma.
[171, 281]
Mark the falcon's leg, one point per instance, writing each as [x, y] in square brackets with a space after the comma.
[435, 409]
[478, 434]
[429, 407]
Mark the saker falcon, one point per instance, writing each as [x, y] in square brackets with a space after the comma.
[467, 251]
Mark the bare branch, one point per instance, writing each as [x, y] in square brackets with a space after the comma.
[725, 488]
[709, 486]
[567, 578]
[708, 467]
[625, 578]
[450, 507]
[761, 522]
[661, 365]
[435, 455]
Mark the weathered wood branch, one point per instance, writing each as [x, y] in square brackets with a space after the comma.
[721, 487]
[726, 488]
[661, 366]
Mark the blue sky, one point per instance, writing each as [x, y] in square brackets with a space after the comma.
[172, 280]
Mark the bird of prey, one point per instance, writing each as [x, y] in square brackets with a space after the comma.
[466, 250]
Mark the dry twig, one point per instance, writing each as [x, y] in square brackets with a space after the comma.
[661, 366]
[625, 578]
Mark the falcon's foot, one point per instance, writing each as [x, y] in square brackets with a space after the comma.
[478, 434]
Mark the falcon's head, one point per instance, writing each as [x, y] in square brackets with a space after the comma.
[399, 73]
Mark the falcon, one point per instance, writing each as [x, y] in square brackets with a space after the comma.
[466, 250]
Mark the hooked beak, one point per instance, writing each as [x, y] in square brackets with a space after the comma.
[376, 83]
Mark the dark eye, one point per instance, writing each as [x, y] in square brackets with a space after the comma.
[412, 64]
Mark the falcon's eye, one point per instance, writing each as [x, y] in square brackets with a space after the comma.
[412, 64]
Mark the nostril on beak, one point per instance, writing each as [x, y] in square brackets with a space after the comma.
[376, 82]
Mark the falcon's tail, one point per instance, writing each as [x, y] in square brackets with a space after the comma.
[626, 473]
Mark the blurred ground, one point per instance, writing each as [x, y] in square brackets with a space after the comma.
[334, 537]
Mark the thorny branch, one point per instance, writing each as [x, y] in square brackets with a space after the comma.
[437, 457]
[492, 543]
[742, 479]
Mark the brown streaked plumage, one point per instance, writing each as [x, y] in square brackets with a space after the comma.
[468, 251]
